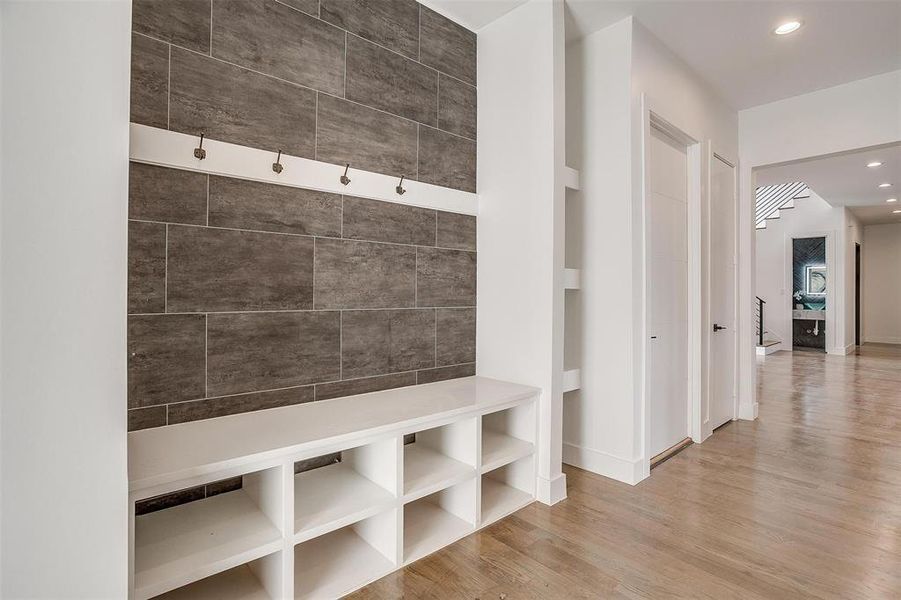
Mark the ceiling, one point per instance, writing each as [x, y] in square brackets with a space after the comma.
[732, 47]
[730, 43]
[473, 14]
[845, 180]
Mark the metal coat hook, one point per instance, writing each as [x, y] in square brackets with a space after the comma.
[400, 186]
[277, 165]
[344, 178]
[199, 152]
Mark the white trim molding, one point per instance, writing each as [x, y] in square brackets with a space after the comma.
[156, 146]
[630, 471]
[551, 491]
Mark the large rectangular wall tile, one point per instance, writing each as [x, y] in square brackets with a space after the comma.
[446, 159]
[393, 24]
[170, 195]
[350, 274]
[448, 47]
[457, 107]
[445, 373]
[209, 408]
[388, 222]
[145, 418]
[388, 81]
[182, 22]
[311, 7]
[364, 137]
[351, 387]
[445, 277]
[223, 270]
[165, 359]
[242, 204]
[374, 342]
[456, 336]
[263, 351]
[149, 82]
[456, 231]
[146, 267]
[277, 40]
[235, 105]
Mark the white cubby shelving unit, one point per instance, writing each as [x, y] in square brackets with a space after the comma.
[326, 532]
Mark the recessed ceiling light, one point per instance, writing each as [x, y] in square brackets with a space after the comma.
[885, 185]
[787, 27]
[896, 211]
[892, 200]
[874, 164]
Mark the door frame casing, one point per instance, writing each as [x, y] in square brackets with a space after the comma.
[695, 150]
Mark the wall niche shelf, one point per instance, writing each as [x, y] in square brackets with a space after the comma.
[572, 279]
[329, 531]
[571, 178]
[572, 380]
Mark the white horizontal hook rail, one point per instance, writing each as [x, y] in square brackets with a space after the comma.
[172, 149]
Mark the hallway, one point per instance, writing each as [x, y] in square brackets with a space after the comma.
[802, 503]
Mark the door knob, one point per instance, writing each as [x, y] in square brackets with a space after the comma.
[717, 327]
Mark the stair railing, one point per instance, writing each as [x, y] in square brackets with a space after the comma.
[759, 315]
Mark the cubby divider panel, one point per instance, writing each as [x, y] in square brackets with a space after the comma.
[364, 483]
[179, 545]
[337, 563]
[432, 522]
[440, 457]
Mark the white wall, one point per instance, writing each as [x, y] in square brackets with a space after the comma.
[62, 306]
[520, 159]
[854, 115]
[610, 70]
[882, 283]
[811, 217]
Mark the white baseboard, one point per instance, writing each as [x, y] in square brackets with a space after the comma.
[552, 491]
[747, 411]
[766, 350]
[849, 349]
[621, 469]
[883, 339]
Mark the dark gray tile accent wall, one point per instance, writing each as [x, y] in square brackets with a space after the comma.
[373, 83]
[245, 296]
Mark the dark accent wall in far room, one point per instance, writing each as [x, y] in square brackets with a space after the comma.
[387, 86]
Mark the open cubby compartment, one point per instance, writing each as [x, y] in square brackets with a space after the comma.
[365, 482]
[256, 580]
[507, 489]
[440, 457]
[432, 522]
[186, 543]
[508, 435]
[339, 562]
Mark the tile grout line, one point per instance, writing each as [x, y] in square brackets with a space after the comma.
[301, 310]
[305, 385]
[169, 87]
[206, 356]
[305, 235]
[166, 269]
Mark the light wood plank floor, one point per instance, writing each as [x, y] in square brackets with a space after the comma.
[803, 503]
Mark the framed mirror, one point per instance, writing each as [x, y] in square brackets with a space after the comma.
[815, 280]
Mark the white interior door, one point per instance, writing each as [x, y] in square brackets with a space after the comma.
[722, 292]
[667, 255]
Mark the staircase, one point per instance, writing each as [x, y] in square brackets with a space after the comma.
[765, 344]
[771, 199]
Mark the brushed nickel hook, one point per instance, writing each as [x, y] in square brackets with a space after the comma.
[199, 152]
[277, 165]
[344, 178]
[400, 186]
